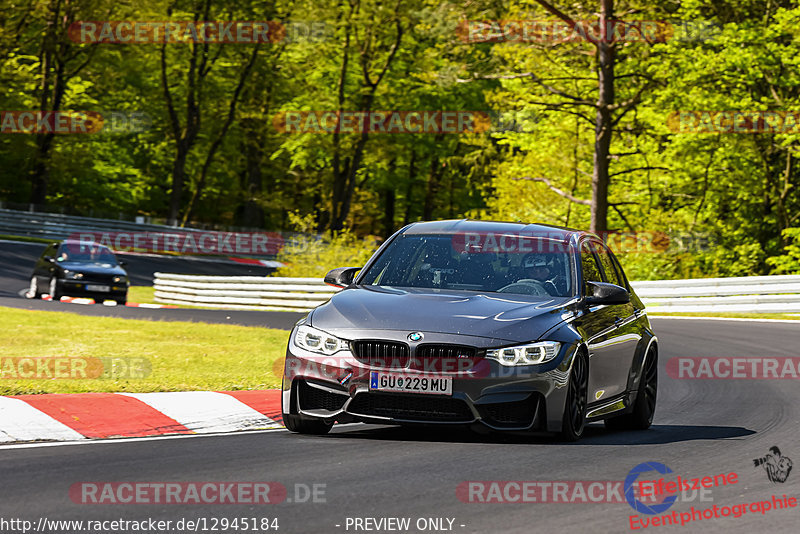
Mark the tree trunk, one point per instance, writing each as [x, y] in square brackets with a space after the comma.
[412, 176]
[344, 177]
[178, 177]
[388, 212]
[603, 122]
[52, 94]
[251, 213]
[431, 189]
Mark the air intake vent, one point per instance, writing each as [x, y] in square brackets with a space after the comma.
[411, 408]
[313, 398]
[379, 353]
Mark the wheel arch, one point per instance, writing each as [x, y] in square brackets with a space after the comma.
[637, 366]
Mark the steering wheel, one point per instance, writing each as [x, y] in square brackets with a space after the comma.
[529, 287]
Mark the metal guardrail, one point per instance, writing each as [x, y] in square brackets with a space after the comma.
[757, 294]
[242, 292]
[752, 294]
[56, 226]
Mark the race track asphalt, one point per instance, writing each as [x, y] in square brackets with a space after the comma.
[702, 428]
[17, 260]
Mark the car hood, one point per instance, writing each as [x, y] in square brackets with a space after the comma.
[493, 315]
[91, 268]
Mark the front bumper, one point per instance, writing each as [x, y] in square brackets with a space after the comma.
[77, 288]
[336, 388]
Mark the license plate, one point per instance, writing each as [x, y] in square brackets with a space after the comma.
[99, 289]
[438, 385]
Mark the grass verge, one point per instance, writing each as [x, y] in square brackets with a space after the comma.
[146, 295]
[26, 239]
[142, 294]
[182, 356]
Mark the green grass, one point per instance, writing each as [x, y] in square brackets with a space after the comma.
[146, 295]
[793, 317]
[27, 239]
[142, 294]
[183, 356]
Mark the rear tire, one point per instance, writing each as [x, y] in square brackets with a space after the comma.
[645, 406]
[122, 302]
[306, 426]
[573, 422]
[55, 294]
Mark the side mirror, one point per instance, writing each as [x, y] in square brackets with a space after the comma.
[604, 293]
[341, 277]
[123, 263]
[49, 259]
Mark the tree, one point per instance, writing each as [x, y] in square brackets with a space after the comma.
[599, 96]
[60, 62]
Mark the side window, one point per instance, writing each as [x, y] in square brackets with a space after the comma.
[589, 266]
[610, 270]
[623, 279]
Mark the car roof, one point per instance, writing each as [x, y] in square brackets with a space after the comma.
[456, 226]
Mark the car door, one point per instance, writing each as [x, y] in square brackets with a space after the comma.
[42, 269]
[626, 337]
[607, 350]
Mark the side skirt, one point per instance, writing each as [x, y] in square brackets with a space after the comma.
[613, 406]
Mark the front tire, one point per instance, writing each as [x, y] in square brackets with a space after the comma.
[645, 406]
[294, 423]
[573, 422]
[54, 293]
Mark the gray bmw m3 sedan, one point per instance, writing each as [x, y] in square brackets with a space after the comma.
[505, 326]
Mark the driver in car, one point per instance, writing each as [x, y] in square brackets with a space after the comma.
[537, 268]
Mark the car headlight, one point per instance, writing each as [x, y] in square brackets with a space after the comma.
[530, 354]
[315, 340]
[120, 279]
[71, 275]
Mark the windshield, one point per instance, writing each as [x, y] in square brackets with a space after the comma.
[448, 262]
[86, 253]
